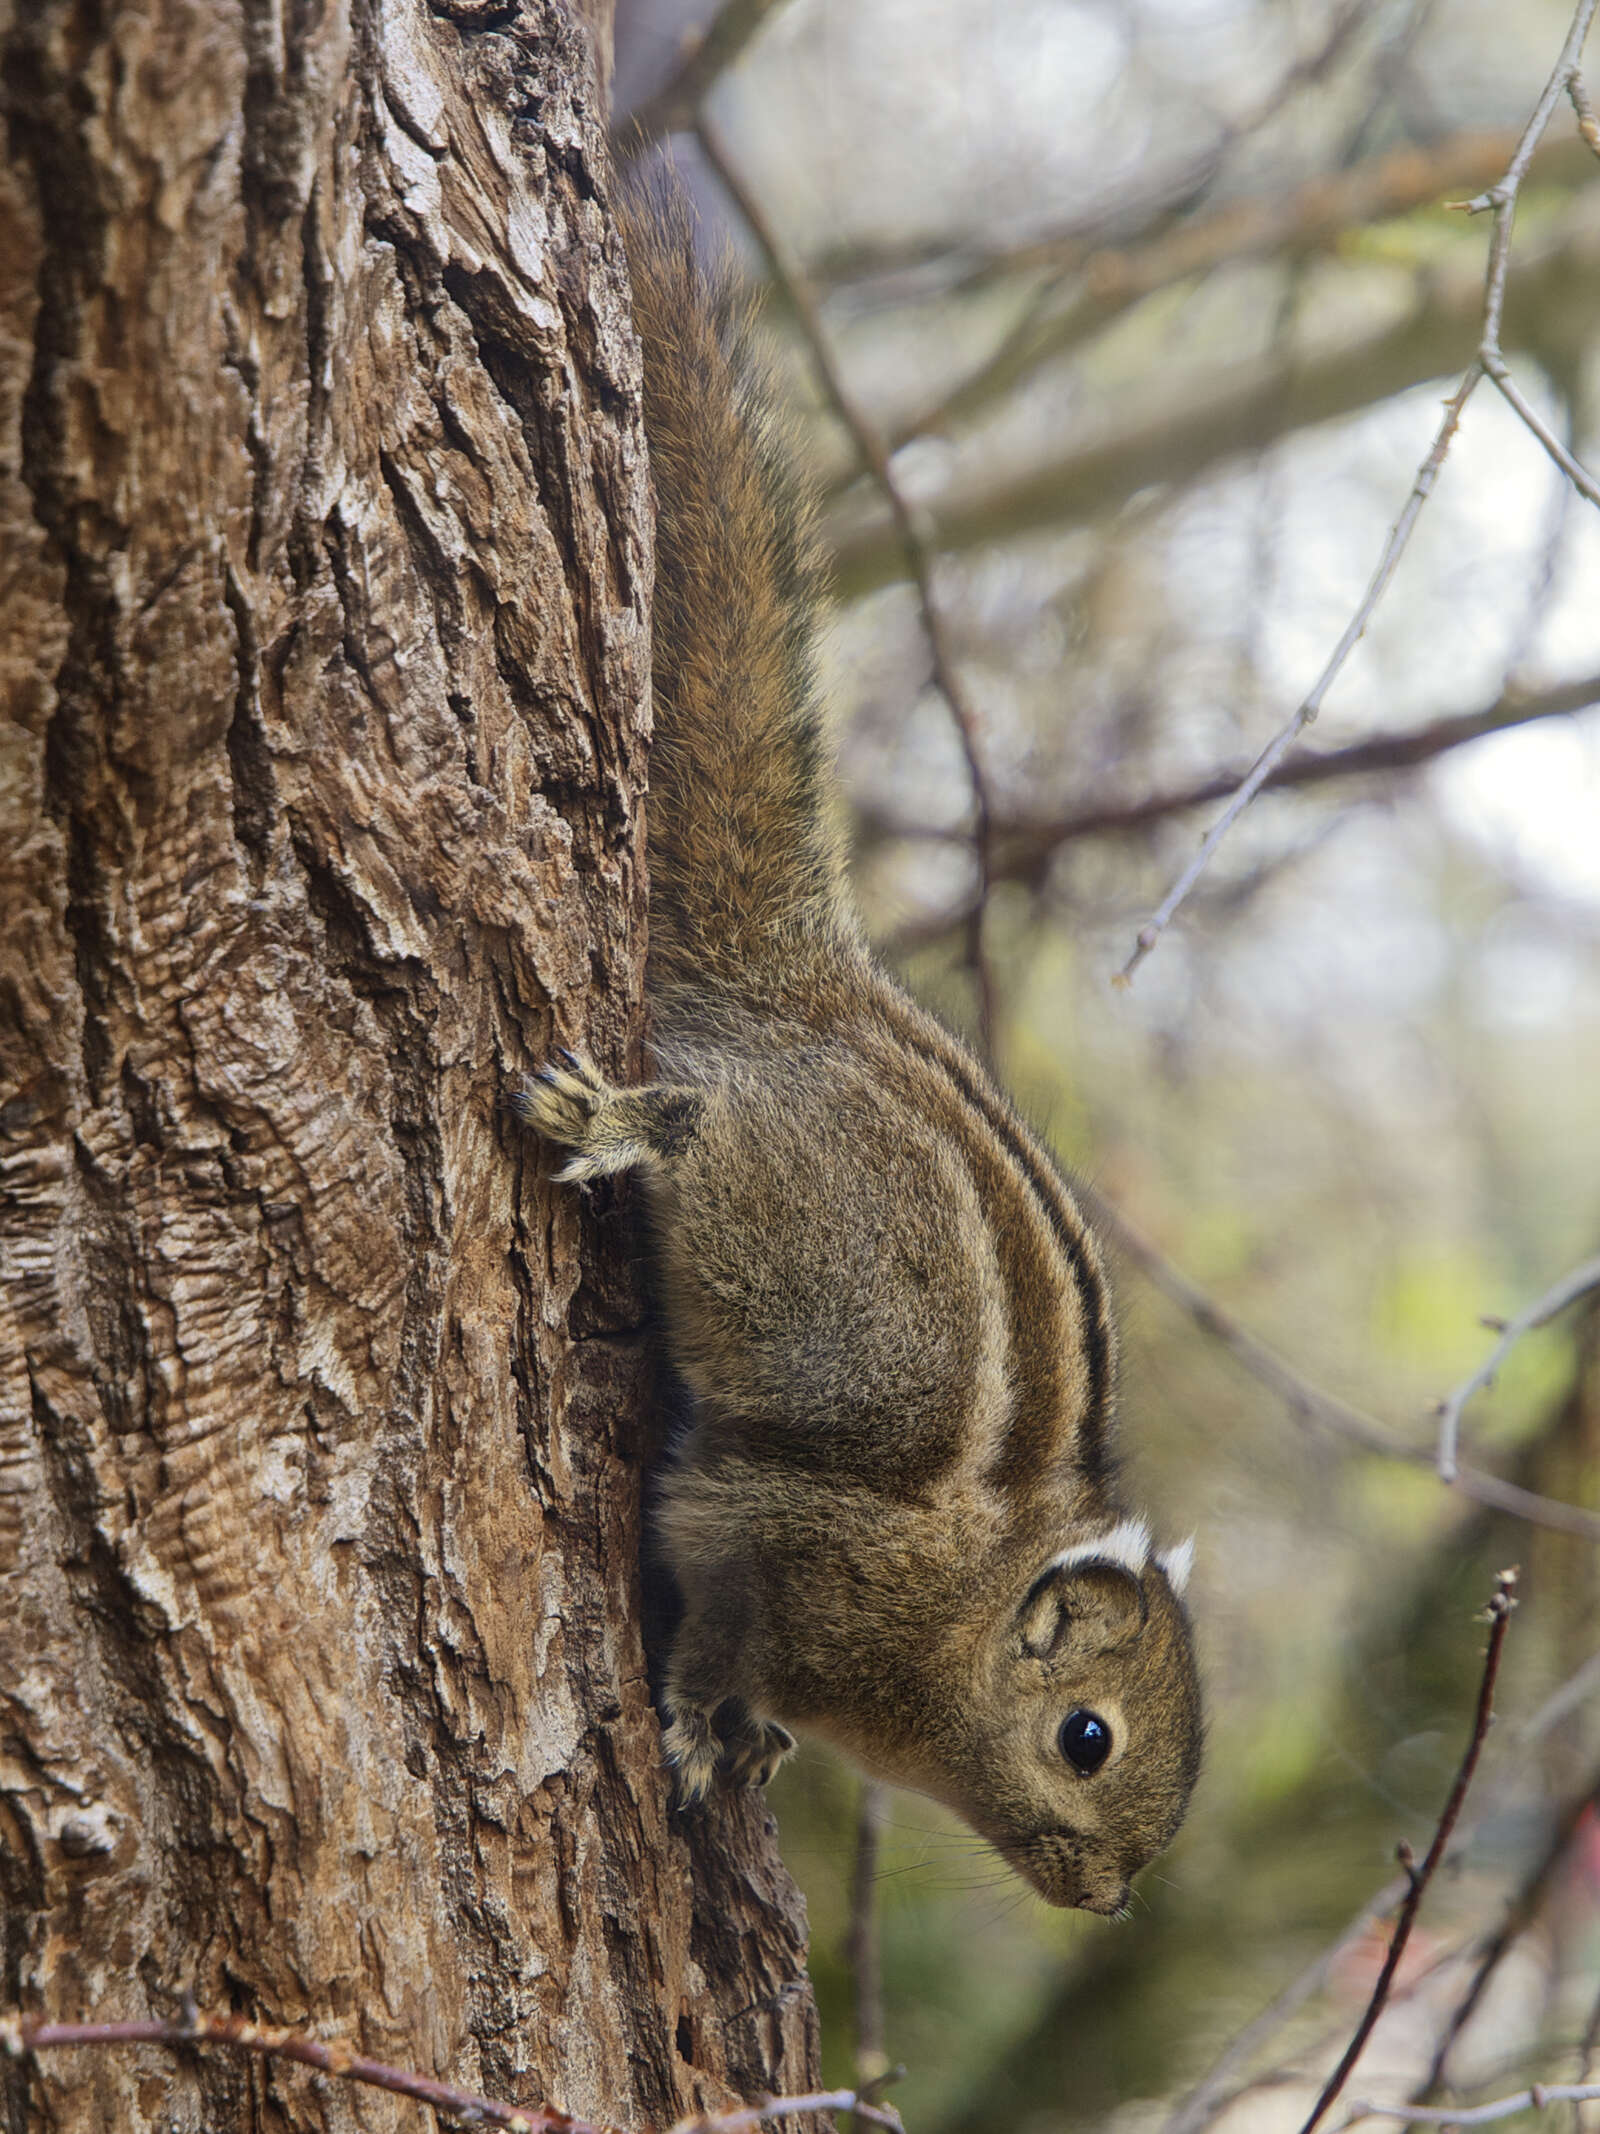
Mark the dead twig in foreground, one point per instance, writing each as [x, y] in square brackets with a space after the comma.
[1501, 1603]
[1283, 741]
[1520, 1915]
[21, 2034]
[1212, 2092]
[862, 1950]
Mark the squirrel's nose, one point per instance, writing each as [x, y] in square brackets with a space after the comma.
[1107, 1902]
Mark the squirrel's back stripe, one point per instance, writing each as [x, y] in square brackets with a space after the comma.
[1033, 1440]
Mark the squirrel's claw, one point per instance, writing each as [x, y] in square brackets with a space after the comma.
[750, 1755]
[753, 1756]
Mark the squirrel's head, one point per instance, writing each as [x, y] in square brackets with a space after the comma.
[1087, 1742]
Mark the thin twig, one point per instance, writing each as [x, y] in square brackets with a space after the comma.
[1196, 2110]
[862, 1952]
[21, 2034]
[1489, 362]
[1534, 2099]
[751, 2115]
[1554, 1301]
[705, 57]
[1571, 466]
[1520, 1915]
[1275, 751]
[1501, 1603]
[790, 278]
[1309, 1404]
[1502, 200]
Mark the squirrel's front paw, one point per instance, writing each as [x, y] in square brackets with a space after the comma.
[747, 1755]
[562, 1101]
[607, 1129]
[694, 1749]
[751, 1756]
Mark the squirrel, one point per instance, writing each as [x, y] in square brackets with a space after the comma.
[893, 1516]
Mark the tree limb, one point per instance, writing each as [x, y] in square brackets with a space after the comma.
[1248, 408]
[1317, 216]
[1024, 847]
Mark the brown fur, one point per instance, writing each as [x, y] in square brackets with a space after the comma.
[884, 1299]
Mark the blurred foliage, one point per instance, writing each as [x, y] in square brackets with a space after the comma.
[1354, 1093]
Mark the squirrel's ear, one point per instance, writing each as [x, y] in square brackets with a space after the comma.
[1177, 1564]
[1075, 1610]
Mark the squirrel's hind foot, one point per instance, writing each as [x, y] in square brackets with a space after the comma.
[608, 1129]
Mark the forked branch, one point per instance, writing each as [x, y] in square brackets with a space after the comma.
[1489, 362]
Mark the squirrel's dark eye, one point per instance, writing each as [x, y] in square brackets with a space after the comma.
[1085, 1741]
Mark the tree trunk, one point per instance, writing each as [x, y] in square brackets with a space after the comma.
[326, 556]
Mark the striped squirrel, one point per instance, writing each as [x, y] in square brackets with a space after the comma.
[893, 1518]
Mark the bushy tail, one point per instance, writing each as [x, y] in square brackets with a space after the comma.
[744, 860]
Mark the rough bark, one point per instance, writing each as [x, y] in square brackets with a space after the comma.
[325, 550]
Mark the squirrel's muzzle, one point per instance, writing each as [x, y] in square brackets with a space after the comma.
[1058, 1865]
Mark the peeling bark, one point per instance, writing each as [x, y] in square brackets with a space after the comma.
[324, 536]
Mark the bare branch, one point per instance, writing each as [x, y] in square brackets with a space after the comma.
[1571, 466]
[1502, 198]
[707, 54]
[751, 2115]
[1272, 755]
[790, 278]
[1309, 1404]
[1197, 2110]
[1554, 1301]
[1244, 410]
[21, 2034]
[1532, 2099]
[1310, 218]
[862, 1949]
[1501, 1603]
[1520, 1915]
[1489, 363]
[1023, 848]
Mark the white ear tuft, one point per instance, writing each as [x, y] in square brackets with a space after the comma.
[1178, 1563]
[1127, 1546]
